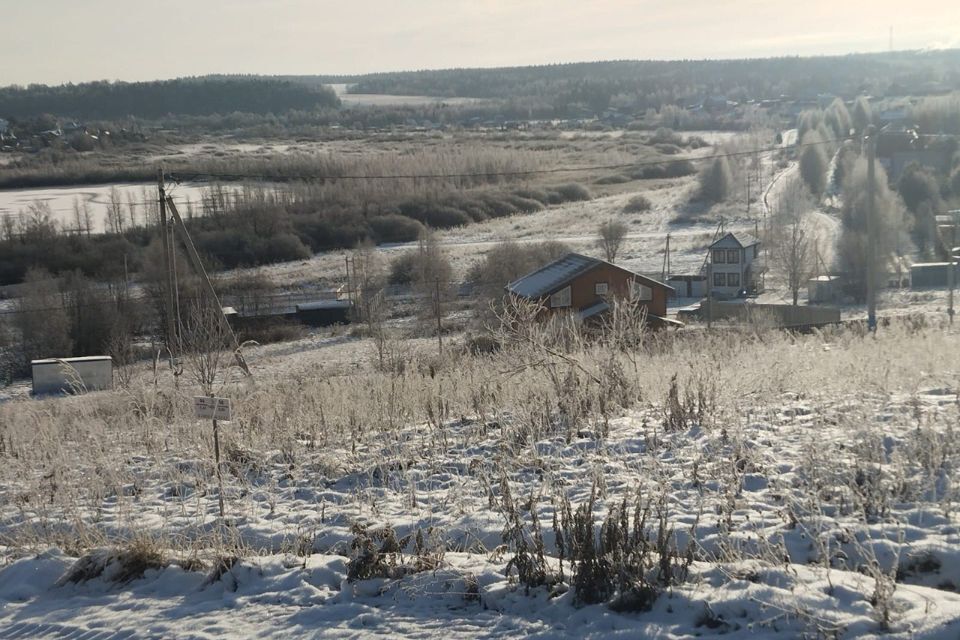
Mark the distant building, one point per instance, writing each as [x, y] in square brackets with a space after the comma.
[735, 267]
[72, 375]
[823, 289]
[586, 286]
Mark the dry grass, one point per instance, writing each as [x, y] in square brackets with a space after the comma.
[549, 388]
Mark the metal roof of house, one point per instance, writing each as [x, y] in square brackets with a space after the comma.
[743, 239]
[547, 278]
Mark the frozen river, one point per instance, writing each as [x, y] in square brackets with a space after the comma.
[141, 197]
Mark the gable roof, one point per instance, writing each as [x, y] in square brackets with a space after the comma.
[744, 240]
[553, 276]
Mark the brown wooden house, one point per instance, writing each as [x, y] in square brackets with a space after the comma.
[585, 286]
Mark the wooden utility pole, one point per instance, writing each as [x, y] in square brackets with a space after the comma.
[665, 271]
[168, 257]
[438, 310]
[951, 276]
[871, 232]
[710, 293]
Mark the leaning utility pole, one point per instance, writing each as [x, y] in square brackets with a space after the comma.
[871, 232]
[168, 258]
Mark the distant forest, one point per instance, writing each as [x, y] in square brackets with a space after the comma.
[151, 100]
[650, 84]
[560, 90]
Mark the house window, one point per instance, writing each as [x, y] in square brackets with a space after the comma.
[640, 292]
[600, 288]
[719, 279]
[733, 256]
[719, 256]
[560, 298]
[733, 279]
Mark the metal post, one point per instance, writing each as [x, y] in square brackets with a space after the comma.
[216, 457]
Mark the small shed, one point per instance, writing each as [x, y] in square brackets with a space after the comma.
[324, 313]
[823, 289]
[72, 375]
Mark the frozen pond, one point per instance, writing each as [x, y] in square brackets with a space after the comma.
[141, 199]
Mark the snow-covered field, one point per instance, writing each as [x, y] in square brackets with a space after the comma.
[783, 486]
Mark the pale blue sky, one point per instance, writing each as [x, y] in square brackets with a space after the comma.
[55, 41]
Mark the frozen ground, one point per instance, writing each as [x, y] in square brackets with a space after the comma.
[819, 468]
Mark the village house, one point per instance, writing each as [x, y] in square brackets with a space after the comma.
[585, 286]
[735, 266]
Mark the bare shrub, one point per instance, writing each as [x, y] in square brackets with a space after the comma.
[637, 204]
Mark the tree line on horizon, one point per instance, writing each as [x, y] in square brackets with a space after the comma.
[557, 90]
[183, 96]
[650, 84]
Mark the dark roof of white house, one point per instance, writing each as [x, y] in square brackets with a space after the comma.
[743, 239]
[550, 277]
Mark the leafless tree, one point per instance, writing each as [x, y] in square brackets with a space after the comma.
[77, 216]
[42, 319]
[132, 209]
[206, 341]
[368, 279]
[793, 239]
[432, 280]
[611, 236]
[115, 211]
[796, 252]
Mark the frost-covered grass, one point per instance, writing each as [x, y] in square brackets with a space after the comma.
[796, 484]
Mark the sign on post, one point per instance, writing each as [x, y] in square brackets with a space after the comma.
[213, 408]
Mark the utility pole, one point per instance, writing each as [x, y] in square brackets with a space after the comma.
[748, 193]
[666, 262]
[710, 293]
[168, 258]
[951, 267]
[346, 261]
[439, 324]
[871, 233]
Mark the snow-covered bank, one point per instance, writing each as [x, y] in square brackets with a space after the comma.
[810, 480]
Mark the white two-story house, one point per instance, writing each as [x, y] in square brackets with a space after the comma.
[735, 266]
